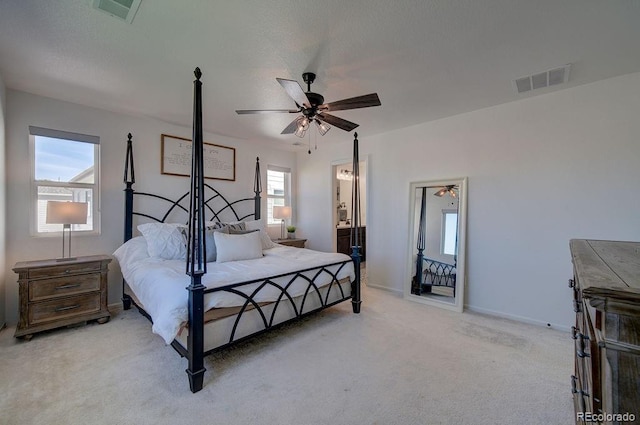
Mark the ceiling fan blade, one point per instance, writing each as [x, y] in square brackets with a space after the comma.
[337, 122]
[267, 111]
[366, 101]
[295, 92]
[291, 128]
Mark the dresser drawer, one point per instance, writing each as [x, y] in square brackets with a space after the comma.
[64, 269]
[63, 286]
[63, 308]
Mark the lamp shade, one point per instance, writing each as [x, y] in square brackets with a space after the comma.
[282, 212]
[59, 212]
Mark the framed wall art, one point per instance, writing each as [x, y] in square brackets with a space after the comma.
[219, 161]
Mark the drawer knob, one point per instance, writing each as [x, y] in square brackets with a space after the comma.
[67, 271]
[574, 332]
[71, 307]
[71, 285]
[572, 283]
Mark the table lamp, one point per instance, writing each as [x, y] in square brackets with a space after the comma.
[282, 213]
[66, 213]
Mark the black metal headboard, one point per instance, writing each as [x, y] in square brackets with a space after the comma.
[160, 208]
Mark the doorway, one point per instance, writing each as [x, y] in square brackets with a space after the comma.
[342, 189]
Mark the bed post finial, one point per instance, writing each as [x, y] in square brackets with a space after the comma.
[128, 163]
[355, 226]
[257, 189]
[197, 73]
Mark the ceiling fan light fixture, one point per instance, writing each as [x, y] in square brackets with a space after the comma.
[322, 127]
[303, 125]
[447, 189]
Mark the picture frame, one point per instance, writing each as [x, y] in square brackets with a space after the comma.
[219, 161]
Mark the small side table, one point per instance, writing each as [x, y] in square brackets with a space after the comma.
[55, 293]
[298, 243]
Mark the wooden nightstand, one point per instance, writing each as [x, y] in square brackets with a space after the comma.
[60, 293]
[298, 243]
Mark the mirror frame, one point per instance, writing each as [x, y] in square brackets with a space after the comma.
[461, 273]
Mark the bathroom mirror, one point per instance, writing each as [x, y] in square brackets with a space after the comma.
[437, 243]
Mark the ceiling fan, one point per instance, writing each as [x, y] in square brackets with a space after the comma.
[450, 189]
[313, 109]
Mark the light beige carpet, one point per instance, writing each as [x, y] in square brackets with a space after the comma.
[398, 362]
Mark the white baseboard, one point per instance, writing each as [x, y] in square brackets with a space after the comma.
[384, 288]
[517, 318]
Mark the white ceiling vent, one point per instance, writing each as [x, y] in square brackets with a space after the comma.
[122, 9]
[543, 79]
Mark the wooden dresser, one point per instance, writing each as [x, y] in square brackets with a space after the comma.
[59, 293]
[606, 291]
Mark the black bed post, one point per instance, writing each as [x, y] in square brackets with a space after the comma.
[355, 227]
[129, 180]
[416, 288]
[196, 254]
[257, 189]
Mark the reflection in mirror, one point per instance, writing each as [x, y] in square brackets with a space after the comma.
[437, 243]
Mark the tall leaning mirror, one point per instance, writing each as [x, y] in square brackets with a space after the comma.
[437, 242]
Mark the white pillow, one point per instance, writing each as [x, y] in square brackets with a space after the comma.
[237, 247]
[264, 237]
[133, 250]
[165, 240]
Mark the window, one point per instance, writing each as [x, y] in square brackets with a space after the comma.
[65, 167]
[278, 190]
[449, 231]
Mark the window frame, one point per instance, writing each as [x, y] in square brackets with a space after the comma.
[94, 213]
[443, 236]
[287, 196]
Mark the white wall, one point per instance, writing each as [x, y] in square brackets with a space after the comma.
[25, 109]
[3, 203]
[541, 171]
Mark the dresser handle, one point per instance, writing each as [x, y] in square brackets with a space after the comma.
[71, 285]
[580, 351]
[572, 283]
[576, 306]
[574, 332]
[71, 307]
[573, 384]
[67, 271]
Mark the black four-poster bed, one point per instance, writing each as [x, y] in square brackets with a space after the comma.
[318, 286]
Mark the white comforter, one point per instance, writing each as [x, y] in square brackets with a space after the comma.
[160, 284]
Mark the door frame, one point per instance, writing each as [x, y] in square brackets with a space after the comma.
[334, 205]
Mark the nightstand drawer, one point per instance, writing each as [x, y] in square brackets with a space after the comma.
[64, 269]
[63, 308]
[63, 286]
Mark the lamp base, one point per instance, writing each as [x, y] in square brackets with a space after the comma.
[61, 259]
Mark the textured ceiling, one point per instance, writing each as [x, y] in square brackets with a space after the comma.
[427, 59]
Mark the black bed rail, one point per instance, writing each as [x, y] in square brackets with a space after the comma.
[437, 273]
[283, 283]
